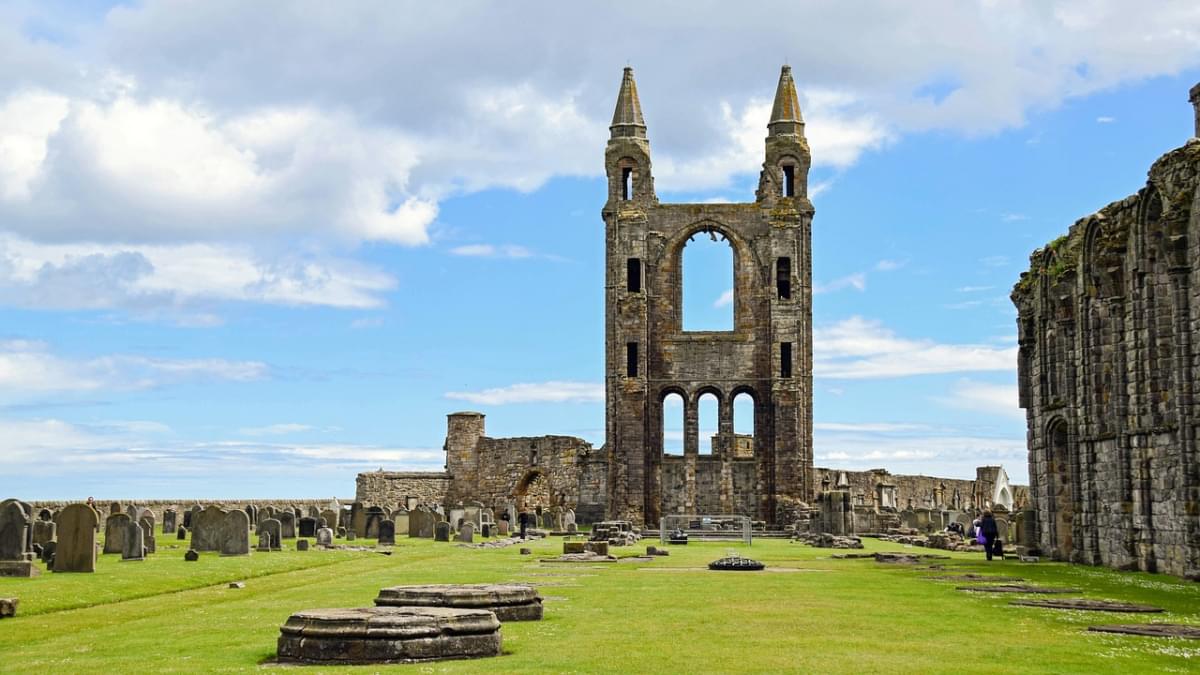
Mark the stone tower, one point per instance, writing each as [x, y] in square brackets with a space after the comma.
[767, 355]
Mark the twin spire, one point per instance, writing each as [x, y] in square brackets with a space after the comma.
[786, 119]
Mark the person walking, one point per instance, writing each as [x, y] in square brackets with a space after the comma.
[991, 534]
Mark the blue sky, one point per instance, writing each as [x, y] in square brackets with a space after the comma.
[252, 250]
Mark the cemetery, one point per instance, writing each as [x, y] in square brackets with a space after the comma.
[497, 604]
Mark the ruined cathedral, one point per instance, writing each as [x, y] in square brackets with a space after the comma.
[766, 357]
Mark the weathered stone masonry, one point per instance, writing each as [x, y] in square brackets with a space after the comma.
[768, 353]
[1108, 324]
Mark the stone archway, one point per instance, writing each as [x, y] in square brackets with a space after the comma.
[533, 492]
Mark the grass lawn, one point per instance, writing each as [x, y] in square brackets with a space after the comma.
[805, 613]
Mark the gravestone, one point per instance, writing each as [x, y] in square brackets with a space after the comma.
[373, 516]
[474, 514]
[182, 533]
[133, 511]
[264, 542]
[252, 513]
[569, 519]
[191, 555]
[358, 519]
[45, 515]
[134, 544]
[467, 534]
[287, 525]
[421, 523]
[341, 532]
[302, 545]
[307, 526]
[235, 533]
[169, 518]
[314, 512]
[441, 531]
[115, 528]
[206, 529]
[488, 515]
[324, 537]
[486, 530]
[351, 535]
[273, 528]
[387, 532]
[76, 551]
[45, 553]
[148, 541]
[115, 507]
[43, 531]
[16, 556]
[400, 522]
[331, 518]
[458, 515]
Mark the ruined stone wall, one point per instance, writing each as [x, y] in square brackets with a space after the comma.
[722, 486]
[767, 354]
[393, 489]
[1108, 321]
[922, 492]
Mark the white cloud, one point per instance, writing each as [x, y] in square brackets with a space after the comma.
[869, 426]
[858, 348]
[974, 289]
[276, 429]
[919, 449]
[30, 368]
[725, 299]
[857, 281]
[541, 392]
[492, 251]
[994, 399]
[170, 277]
[1104, 119]
[27, 121]
[890, 265]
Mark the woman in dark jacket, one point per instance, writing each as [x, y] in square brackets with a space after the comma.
[991, 535]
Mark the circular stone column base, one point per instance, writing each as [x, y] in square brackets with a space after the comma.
[387, 635]
[510, 602]
[736, 565]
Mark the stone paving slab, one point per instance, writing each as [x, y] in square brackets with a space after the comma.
[1016, 588]
[982, 578]
[1089, 605]
[1167, 630]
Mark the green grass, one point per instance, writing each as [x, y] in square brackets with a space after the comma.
[665, 616]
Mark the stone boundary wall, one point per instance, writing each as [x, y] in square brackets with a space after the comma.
[394, 488]
[157, 506]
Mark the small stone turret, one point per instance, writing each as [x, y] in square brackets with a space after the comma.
[1194, 97]
[463, 431]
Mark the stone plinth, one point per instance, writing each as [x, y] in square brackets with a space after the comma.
[388, 635]
[510, 602]
[18, 568]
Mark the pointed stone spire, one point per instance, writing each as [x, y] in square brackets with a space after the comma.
[785, 114]
[627, 118]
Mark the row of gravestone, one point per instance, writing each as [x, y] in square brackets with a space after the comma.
[70, 548]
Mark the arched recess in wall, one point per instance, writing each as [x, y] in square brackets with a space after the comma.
[707, 283]
[708, 414]
[533, 491]
[744, 410]
[672, 422]
[1059, 480]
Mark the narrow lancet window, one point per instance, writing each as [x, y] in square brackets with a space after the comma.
[631, 359]
[633, 275]
[789, 180]
[785, 359]
[626, 183]
[783, 278]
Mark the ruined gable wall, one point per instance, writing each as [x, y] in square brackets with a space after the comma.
[1108, 317]
[393, 489]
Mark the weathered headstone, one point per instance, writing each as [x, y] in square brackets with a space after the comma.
[264, 541]
[170, 518]
[324, 537]
[358, 519]
[373, 516]
[387, 532]
[251, 513]
[115, 528]
[235, 533]
[331, 518]
[76, 551]
[474, 514]
[148, 541]
[287, 524]
[351, 535]
[191, 555]
[206, 528]
[466, 535]
[272, 528]
[302, 545]
[458, 516]
[307, 526]
[486, 530]
[45, 552]
[441, 531]
[43, 531]
[182, 533]
[502, 528]
[134, 544]
[400, 521]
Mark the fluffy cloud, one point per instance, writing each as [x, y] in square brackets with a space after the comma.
[30, 368]
[994, 399]
[917, 448]
[858, 348]
[492, 251]
[541, 392]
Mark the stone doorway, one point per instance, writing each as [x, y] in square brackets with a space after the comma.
[532, 492]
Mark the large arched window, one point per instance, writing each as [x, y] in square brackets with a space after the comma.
[708, 422]
[672, 424]
[708, 295]
[743, 425]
